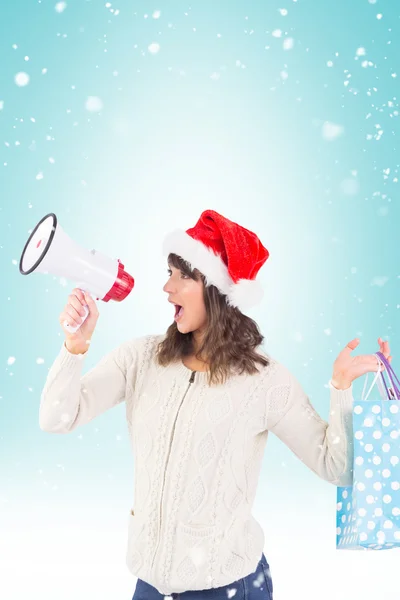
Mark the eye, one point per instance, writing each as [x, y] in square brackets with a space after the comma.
[182, 274]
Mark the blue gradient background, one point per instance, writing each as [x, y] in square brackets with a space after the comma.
[221, 117]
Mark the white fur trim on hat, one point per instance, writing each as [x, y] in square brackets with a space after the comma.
[243, 294]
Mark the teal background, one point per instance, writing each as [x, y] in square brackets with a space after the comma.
[222, 117]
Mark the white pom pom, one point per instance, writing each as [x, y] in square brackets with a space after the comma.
[245, 293]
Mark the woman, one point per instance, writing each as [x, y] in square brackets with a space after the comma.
[200, 402]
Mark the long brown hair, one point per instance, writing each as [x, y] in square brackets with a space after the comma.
[230, 337]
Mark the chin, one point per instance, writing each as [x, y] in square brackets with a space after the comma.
[183, 328]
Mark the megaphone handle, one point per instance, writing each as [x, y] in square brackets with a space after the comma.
[73, 329]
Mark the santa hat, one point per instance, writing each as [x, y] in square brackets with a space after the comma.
[228, 255]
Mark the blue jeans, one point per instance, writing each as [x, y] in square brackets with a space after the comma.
[256, 586]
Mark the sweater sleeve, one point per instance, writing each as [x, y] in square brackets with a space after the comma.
[325, 447]
[69, 399]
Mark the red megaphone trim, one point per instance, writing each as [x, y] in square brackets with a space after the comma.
[122, 286]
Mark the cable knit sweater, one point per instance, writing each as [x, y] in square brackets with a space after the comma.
[198, 451]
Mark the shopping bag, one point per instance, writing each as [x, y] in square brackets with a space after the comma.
[368, 512]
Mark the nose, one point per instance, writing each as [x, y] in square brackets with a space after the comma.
[169, 287]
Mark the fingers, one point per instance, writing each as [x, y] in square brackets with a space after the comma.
[352, 345]
[74, 317]
[372, 363]
[372, 359]
[70, 317]
[77, 302]
[92, 306]
[79, 294]
[74, 311]
[89, 301]
[385, 349]
[74, 314]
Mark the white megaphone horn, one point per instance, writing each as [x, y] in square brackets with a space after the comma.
[50, 250]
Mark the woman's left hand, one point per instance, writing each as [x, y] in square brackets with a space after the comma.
[347, 368]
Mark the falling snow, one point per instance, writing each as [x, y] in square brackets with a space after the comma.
[154, 48]
[94, 104]
[331, 131]
[379, 281]
[60, 7]
[288, 43]
[21, 79]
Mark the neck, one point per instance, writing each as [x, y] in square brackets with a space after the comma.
[197, 341]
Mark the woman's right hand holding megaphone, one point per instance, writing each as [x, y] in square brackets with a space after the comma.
[78, 329]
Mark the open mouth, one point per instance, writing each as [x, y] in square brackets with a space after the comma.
[178, 311]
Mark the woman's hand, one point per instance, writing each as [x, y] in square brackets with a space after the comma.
[347, 368]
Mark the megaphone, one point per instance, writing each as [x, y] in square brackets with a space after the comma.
[50, 250]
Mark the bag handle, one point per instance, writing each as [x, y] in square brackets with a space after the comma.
[385, 395]
[379, 378]
[391, 374]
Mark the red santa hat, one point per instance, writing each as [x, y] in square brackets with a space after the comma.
[228, 255]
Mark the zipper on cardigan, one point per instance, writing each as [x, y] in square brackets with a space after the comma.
[191, 380]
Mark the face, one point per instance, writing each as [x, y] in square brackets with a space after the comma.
[187, 293]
